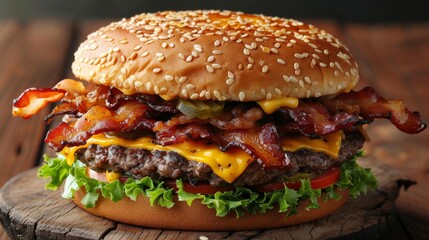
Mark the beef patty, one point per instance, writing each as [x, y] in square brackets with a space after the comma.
[162, 165]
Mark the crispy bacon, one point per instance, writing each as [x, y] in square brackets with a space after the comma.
[263, 143]
[32, 100]
[370, 104]
[314, 120]
[127, 118]
[240, 117]
[178, 134]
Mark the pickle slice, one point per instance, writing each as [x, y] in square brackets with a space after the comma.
[200, 109]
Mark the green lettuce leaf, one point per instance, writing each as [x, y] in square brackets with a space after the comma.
[241, 200]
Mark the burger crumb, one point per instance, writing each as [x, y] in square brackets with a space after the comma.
[203, 238]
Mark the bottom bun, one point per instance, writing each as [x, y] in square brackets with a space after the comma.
[199, 217]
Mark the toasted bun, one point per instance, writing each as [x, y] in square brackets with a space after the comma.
[199, 217]
[216, 55]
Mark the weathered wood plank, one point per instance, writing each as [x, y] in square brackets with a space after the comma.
[28, 211]
[396, 63]
[35, 56]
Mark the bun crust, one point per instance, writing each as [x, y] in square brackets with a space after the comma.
[216, 55]
[199, 217]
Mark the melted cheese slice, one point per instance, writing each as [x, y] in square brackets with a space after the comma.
[329, 145]
[227, 165]
[270, 106]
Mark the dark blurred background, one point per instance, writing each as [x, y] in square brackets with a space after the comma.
[351, 11]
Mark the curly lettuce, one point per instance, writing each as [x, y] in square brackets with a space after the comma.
[353, 177]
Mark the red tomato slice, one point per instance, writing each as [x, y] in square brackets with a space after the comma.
[322, 181]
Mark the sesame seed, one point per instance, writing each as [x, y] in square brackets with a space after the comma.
[281, 61]
[225, 39]
[208, 95]
[315, 56]
[312, 45]
[158, 54]
[124, 71]
[115, 49]
[322, 64]
[317, 94]
[263, 92]
[194, 96]
[293, 79]
[148, 86]
[285, 78]
[194, 54]
[190, 86]
[254, 45]
[336, 73]
[202, 93]
[231, 74]
[278, 91]
[241, 95]
[307, 80]
[168, 78]
[331, 83]
[216, 43]
[246, 51]
[249, 66]
[216, 66]
[265, 69]
[102, 80]
[184, 92]
[137, 47]
[183, 79]
[259, 39]
[289, 45]
[198, 48]
[331, 64]
[274, 51]
[308, 93]
[156, 89]
[209, 68]
[229, 81]
[248, 46]
[326, 51]
[181, 56]
[91, 74]
[164, 45]
[189, 58]
[240, 67]
[182, 39]
[301, 83]
[138, 84]
[210, 59]
[339, 86]
[133, 56]
[268, 96]
[216, 94]
[216, 52]
[160, 59]
[250, 60]
[156, 70]
[277, 45]
[296, 66]
[145, 54]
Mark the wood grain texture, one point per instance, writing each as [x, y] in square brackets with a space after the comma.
[395, 59]
[28, 212]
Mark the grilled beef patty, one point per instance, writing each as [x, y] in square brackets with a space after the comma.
[138, 163]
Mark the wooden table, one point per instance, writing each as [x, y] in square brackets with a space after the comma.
[393, 58]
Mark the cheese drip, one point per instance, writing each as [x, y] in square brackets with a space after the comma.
[270, 106]
[227, 165]
[329, 145]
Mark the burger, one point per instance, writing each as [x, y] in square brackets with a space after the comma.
[211, 120]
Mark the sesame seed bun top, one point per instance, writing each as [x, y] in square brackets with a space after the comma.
[216, 55]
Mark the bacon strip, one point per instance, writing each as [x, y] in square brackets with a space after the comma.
[263, 143]
[127, 118]
[370, 104]
[32, 100]
[314, 120]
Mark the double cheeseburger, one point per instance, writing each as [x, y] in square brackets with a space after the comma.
[211, 120]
